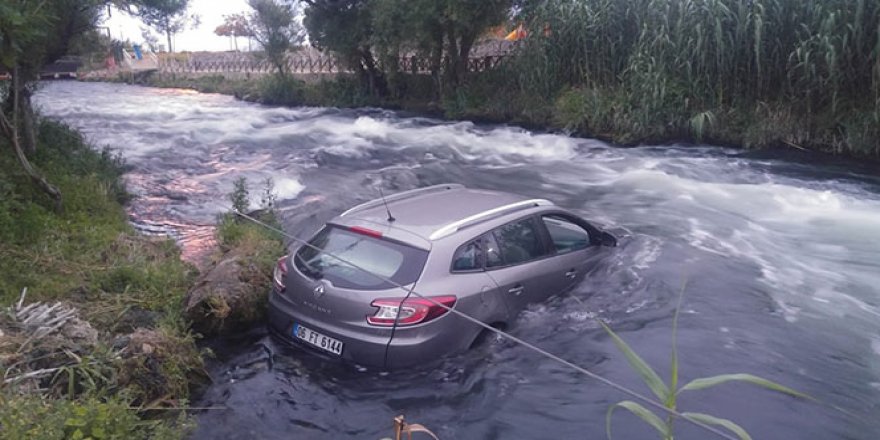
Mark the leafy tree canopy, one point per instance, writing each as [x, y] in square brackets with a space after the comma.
[358, 30]
[273, 24]
[166, 16]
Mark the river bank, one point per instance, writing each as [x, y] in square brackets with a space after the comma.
[95, 337]
[590, 113]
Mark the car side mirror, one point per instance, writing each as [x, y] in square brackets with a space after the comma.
[606, 239]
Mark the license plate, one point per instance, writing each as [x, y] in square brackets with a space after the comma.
[316, 339]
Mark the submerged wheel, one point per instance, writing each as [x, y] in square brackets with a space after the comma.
[485, 335]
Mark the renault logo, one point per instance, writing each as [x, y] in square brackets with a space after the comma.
[319, 291]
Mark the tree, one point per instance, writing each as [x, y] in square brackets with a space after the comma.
[273, 24]
[169, 17]
[150, 39]
[345, 27]
[33, 34]
[234, 26]
[444, 31]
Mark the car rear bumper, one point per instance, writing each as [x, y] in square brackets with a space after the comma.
[410, 346]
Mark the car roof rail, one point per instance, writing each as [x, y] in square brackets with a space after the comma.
[486, 216]
[402, 196]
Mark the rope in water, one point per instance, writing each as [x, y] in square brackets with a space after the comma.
[501, 333]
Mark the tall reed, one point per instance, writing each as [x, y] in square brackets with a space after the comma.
[672, 60]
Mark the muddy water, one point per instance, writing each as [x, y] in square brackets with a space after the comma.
[781, 255]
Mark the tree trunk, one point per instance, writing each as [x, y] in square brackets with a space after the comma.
[377, 80]
[451, 54]
[436, 64]
[10, 131]
[168, 34]
[464, 53]
[23, 114]
[28, 125]
[280, 63]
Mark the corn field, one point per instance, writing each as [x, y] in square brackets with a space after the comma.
[689, 60]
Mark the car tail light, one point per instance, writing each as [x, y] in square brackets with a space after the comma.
[365, 231]
[280, 274]
[412, 311]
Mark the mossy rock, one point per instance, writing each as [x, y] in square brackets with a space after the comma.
[228, 297]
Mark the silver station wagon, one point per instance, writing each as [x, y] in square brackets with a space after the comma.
[484, 253]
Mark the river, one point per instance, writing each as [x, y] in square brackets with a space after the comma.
[780, 252]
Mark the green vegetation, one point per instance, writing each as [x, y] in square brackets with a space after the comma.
[169, 17]
[32, 417]
[89, 257]
[759, 73]
[262, 245]
[273, 24]
[89, 247]
[233, 294]
[668, 393]
[755, 73]
[235, 26]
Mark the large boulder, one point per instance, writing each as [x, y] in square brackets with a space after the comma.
[229, 296]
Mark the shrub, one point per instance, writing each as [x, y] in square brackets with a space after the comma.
[281, 90]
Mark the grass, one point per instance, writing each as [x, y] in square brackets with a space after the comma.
[241, 277]
[88, 256]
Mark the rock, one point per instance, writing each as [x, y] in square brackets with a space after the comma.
[136, 317]
[120, 342]
[229, 296]
[80, 332]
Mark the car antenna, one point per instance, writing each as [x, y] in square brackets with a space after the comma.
[390, 217]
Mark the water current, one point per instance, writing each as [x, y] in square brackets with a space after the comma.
[780, 251]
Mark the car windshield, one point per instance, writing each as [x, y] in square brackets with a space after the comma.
[399, 263]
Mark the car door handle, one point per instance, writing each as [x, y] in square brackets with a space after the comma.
[571, 273]
[516, 290]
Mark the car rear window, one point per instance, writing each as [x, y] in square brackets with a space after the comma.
[390, 260]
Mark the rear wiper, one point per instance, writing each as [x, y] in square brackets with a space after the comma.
[310, 271]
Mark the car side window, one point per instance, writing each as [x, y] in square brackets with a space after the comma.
[518, 242]
[493, 253]
[565, 234]
[468, 257]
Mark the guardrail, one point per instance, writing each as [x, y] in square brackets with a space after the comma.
[325, 64]
[309, 64]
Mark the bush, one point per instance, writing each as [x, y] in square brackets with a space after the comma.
[341, 91]
[281, 90]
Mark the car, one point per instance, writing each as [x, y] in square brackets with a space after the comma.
[349, 293]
